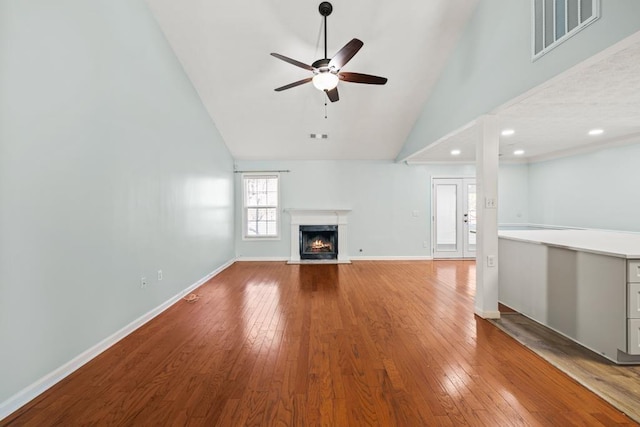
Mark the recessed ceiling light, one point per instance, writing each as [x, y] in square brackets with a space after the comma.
[518, 152]
[596, 132]
[508, 132]
[455, 152]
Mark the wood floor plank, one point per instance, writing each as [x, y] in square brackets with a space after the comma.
[388, 343]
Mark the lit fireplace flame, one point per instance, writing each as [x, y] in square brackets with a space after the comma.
[319, 244]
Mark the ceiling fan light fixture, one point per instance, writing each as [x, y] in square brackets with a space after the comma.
[325, 80]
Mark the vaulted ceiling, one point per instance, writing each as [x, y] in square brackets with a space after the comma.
[224, 48]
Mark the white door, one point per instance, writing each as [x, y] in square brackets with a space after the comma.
[454, 217]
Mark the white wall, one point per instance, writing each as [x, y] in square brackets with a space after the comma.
[382, 196]
[492, 63]
[110, 169]
[513, 194]
[594, 190]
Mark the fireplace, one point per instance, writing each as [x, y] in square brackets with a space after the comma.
[336, 218]
[318, 242]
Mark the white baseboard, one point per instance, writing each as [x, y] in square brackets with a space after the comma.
[392, 258]
[260, 259]
[351, 258]
[32, 391]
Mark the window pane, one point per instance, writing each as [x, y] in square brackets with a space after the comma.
[572, 14]
[586, 10]
[271, 199]
[262, 228]
[548, 22]
[271, 228]
[272, 184]
[252, 229]
[538, 21]
[560, 18]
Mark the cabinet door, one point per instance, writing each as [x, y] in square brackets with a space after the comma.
[633, 271]
[633, 300]
[633, 336]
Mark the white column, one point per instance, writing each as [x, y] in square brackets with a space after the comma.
[487, 146]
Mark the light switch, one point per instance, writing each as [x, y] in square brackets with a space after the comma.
[490, 202]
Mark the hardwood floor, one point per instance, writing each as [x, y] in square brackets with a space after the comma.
[371, 343]
[617, 384]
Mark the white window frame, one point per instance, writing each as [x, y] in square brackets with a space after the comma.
[567, 33]
[246, 207]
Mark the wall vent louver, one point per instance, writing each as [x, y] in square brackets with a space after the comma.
[554, 21]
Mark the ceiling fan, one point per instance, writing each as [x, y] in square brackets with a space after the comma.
[326, 72]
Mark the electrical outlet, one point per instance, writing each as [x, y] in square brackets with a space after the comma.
[491, 261]
[159, 275]
[143, 282]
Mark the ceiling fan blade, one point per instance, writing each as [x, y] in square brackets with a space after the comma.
[362, 78]
[293, 61]
[345, 54]
[294, 84]
[332, 94]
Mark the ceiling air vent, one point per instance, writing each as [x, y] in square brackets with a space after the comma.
[318, 136]
[554, 21]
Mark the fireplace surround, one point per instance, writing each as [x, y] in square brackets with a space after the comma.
[319, 217]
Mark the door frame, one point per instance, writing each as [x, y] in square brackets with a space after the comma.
[462, 226]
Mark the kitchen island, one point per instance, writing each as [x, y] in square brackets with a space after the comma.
[584, 284]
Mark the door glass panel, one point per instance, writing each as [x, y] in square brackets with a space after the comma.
[471, 215]
[446, 217]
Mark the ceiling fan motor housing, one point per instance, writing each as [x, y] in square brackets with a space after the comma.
[325, 8]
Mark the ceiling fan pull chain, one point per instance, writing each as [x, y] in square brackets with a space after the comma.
[325, 108]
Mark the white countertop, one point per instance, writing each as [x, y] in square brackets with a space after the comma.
[619, 244]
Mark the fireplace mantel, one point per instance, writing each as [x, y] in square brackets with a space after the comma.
[319, 217]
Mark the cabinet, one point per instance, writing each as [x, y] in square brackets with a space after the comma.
[633, 307]
[580, 283]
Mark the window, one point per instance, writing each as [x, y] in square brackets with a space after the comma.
[554, 21]
[260, 206]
